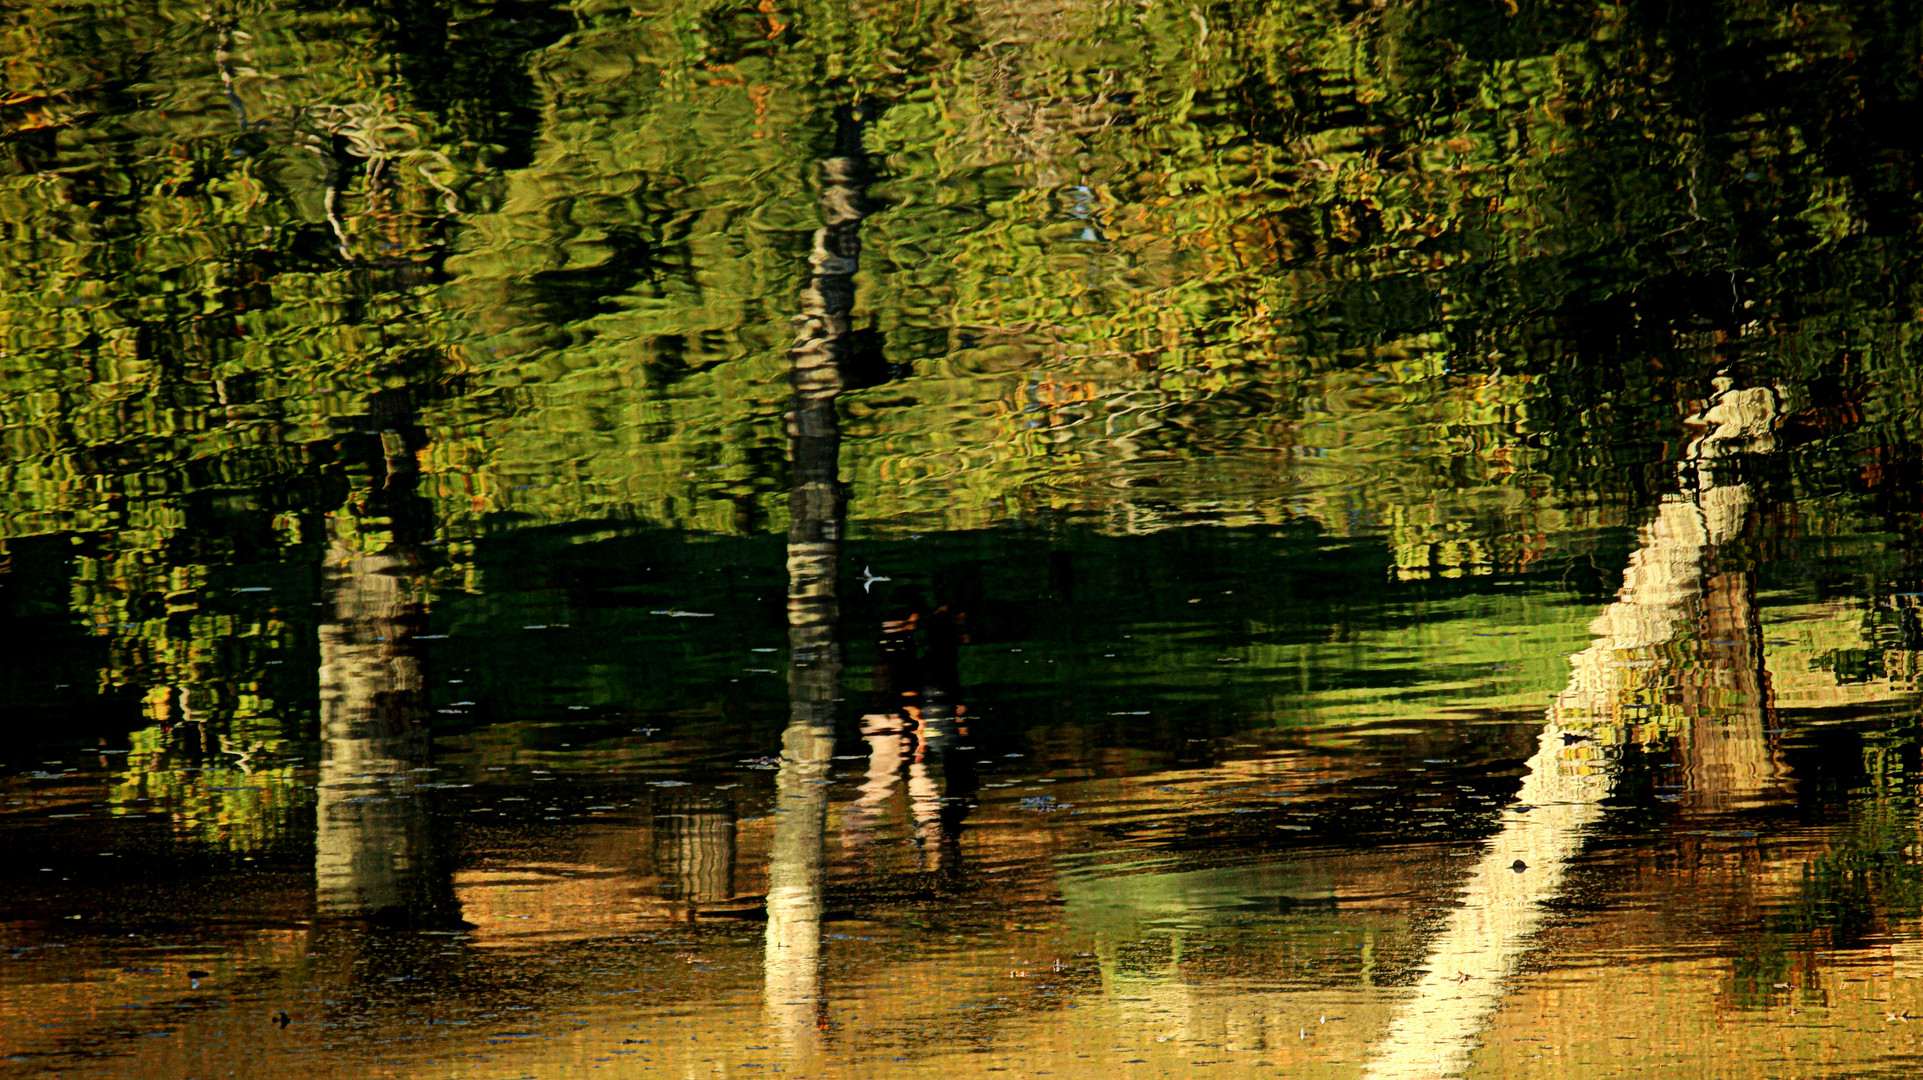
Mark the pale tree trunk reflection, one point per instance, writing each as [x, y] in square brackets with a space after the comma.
[1644, 650]
[792, 958]
[375, 855]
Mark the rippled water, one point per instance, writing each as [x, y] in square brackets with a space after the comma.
[1093, 539]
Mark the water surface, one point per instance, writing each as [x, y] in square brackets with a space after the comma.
[1108, 540]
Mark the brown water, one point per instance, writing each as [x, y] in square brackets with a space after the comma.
[1105, 540]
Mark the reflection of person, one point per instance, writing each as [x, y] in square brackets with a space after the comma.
[919, 701]
[934, 707]
[922, 683]
[882, 723]
[897, 665]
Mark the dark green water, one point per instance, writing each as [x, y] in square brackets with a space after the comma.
[1097, 539]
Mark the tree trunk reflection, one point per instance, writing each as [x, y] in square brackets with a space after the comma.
[694, 847]
[791, 985]
[1645, 665]
[375, 855]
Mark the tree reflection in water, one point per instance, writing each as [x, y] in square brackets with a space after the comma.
[376, 854]
[1640, 660]
[816, 514]
[694, 847]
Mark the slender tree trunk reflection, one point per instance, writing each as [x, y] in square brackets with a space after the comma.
[1640, 656]
[791, 962]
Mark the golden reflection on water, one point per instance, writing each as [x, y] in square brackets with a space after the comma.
[1404, 961]
[1072, 975]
